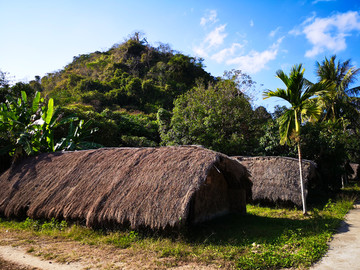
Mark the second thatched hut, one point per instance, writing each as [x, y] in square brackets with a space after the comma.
[276, 179]
[355, 172]
[137, 187]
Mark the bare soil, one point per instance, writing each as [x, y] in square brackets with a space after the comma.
[25, 250]
[6, 265]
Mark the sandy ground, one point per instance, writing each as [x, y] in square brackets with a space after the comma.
[16, 258]
[19, 256]
[24, 250]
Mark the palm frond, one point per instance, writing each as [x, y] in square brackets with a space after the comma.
[310, 111]
[316, 89]
[282, 76]
[286, 126]
[280, 93]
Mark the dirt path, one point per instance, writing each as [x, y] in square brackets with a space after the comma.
[6, 265]
[16, 258]
[344, 249]
[18, 255]
[27, 251]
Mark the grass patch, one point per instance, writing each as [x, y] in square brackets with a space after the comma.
[30, 250]
[265, 238]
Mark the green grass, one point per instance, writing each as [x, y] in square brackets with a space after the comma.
[265, 238]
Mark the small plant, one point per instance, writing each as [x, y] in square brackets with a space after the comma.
[122, 240]
[38, 226]
[54, 224]
[30, 250]
[31, 224]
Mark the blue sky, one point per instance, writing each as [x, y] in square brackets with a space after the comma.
[257, 37]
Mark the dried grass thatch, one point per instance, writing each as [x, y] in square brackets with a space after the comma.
[276, 179]
[137, 187]
[354, 175]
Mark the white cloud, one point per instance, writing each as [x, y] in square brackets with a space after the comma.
[251, 23]
[317, 1]
[256, 61]
[227, 52]
[213, 46]
[297, 31]
[212, 41]
[274, 32]
[210, 17]
[216, 37]
[328, 33]
[200, 51]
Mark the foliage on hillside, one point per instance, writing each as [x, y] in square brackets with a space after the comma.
[117, 128]
[133, 75]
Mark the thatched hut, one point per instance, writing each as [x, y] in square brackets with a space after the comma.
[137, 187]
[276, 179]
[355, 171]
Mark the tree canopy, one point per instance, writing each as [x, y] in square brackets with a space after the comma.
[218, 116]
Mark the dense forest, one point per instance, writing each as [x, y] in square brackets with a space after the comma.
[138, 95]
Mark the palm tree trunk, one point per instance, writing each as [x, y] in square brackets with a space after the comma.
[301, 181]
[333, 111]
[297, 130]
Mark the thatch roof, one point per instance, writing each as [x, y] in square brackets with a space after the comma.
[355, 171]
[276, 179]
[151, 187]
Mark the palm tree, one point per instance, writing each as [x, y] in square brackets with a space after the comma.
[338, 99]
[300, 94]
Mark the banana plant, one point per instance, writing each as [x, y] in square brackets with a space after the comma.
[28, 127]
[16, 117]
[77, 137]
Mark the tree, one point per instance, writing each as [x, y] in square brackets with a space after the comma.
[217, 116]
[4, 81]
[341, 104]
[325, 143]
[4, 85]
[339, 99]
[242, 81]
[299, 93]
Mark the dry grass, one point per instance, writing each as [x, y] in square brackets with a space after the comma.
[276, 179]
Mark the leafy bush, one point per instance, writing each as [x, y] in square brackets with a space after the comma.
[37, 225]
[219, 117]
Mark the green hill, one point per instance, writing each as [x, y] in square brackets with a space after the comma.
[133, 75]
[122, 89]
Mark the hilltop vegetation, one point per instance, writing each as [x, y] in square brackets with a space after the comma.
[132, 75]
[122, 89]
